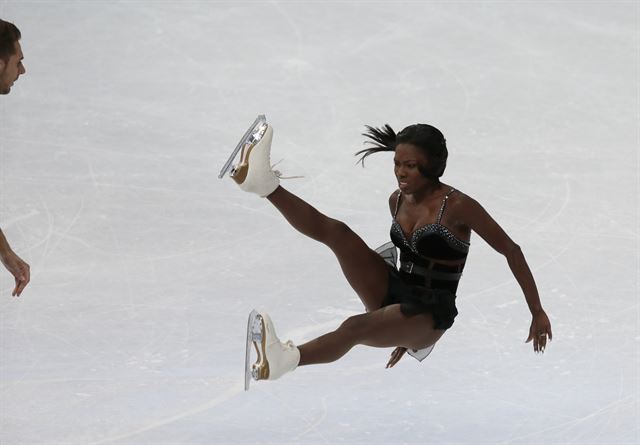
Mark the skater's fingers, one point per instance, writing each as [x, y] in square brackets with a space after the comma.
[396, 355]
[540, 342]
[540, 332]
[392, 362]
[531, 335]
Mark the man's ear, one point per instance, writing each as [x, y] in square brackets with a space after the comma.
[3, 65]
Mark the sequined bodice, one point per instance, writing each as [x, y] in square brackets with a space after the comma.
[433, 240]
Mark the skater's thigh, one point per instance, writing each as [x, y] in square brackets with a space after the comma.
[364, 269]
[390, 327]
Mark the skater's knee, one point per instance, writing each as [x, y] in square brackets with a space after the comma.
[355, 327]
[337, 233]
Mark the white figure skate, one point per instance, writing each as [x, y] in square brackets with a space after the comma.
[253, 173]
[274, 358]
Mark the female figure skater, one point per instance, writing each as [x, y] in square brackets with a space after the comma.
[408, 308]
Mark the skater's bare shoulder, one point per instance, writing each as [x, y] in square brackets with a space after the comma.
[459, 203]
[463, 210]
[464, 207]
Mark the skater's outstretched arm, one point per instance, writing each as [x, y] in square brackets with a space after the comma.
[479, 220]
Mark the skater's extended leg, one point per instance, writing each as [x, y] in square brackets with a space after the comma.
[365, 270]
[383, 328]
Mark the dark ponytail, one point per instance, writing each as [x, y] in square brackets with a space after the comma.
[380, 139]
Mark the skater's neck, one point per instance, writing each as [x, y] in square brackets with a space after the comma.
[426, 193]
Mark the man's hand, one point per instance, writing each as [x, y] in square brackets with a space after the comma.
[396, 355]
[19, 269]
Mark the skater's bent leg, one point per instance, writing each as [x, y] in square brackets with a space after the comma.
[365, 270]
[384, 328]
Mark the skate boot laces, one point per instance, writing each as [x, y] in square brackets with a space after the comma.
[278, 173]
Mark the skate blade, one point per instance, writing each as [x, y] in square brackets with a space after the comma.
[247, 358]
[240, 171]
[250, 138]
[260, 369]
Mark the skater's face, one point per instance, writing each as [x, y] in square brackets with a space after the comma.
[11, 69]
[408, 161]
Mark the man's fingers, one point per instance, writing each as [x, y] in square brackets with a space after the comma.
[21, 283]
[20, 287]
[22, 280]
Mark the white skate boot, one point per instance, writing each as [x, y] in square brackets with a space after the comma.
[274, 357]
[253, 173]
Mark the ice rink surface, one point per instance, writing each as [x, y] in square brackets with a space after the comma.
[145, 265]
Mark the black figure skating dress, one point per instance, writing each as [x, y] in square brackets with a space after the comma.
[422, 283]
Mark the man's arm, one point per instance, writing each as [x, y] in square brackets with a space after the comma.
[14, 264]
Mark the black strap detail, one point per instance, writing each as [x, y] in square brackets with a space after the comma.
[444, 204]
[428, 273]
[397, 204]
[442, 207]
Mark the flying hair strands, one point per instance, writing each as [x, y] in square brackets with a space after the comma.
[380, 139]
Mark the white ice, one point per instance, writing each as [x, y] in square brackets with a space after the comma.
[145, 265]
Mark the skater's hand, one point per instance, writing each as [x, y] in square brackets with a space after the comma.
[539, 330]
[396, 355]
[19, 269]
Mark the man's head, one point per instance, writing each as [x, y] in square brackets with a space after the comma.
[11, 66]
